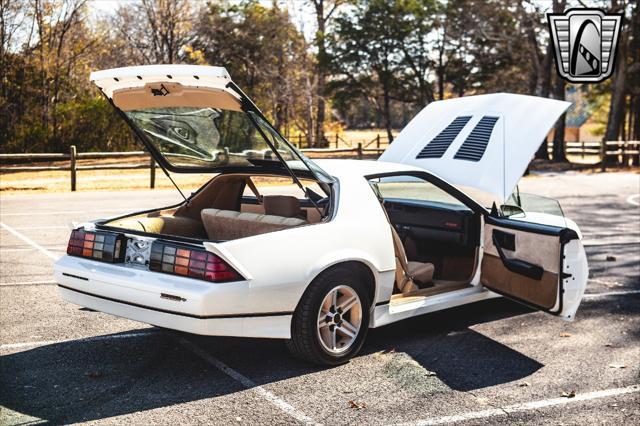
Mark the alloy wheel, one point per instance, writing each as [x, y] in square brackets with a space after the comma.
[339, 319]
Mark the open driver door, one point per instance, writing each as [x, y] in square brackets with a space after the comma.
[542, 266]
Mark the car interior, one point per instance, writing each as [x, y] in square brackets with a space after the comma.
[233, 206]
[436, 237]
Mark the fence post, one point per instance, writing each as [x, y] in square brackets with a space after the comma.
[359, 150]
[620, 156]
[603, 156]
[152, 173]
[582, 156]
[72, 166]
[337, 141]
[378, 141]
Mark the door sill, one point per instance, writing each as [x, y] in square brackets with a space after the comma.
[422, 294]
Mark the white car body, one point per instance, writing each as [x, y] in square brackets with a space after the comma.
[263, 303]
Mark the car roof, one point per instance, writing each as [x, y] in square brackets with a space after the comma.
[359, 168]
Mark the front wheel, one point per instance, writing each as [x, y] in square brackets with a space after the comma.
[331, 321]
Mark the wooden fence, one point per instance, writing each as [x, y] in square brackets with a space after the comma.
[336, 141]
[612, 152]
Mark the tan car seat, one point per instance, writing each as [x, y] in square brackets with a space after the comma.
[409, 274]
[282, 205]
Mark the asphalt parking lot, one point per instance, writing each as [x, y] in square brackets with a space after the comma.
[486, 363]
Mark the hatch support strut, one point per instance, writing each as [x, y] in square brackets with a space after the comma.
[247, 104]
[142, 138]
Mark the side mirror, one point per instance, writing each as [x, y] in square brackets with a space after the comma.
[509, 210]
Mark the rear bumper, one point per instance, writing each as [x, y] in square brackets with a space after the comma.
[166, 301]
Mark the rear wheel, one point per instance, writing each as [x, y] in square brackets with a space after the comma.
[331, 321]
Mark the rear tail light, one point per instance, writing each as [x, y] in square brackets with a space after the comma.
[103, 246]
[189, 262]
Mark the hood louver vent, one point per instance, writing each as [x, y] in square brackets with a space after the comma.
[474, 146]
[439, 145]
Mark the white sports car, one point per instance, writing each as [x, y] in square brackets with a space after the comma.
[274, 245]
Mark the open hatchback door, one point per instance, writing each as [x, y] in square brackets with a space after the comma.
[486, 142]
[195, 119]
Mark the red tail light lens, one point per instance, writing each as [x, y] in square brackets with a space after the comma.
[102, 246]
[189, 262]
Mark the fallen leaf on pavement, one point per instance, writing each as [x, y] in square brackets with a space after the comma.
[524, 384]
[571, 394]
[617, 366]
[565, 334]
[357, 405]
[611, 259]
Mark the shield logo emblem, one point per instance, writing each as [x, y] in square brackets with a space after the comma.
[585, 42]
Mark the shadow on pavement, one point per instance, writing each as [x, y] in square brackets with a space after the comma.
[461, 357]
[80, 381]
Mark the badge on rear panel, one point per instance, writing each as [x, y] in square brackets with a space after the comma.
[585, 43]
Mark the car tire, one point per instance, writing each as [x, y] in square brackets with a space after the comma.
[320, 316]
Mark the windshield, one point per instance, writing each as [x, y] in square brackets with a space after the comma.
[213, 138]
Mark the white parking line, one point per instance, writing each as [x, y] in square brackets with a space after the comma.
[23, 228]
[29, 241]
[11, 250]
[634, 199]
[81, 340]
[534, 405]
[610, 293]
[64, 212]
[41, 282]
[249, 384]
[591, 243]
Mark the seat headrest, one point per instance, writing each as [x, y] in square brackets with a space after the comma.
[282, 205]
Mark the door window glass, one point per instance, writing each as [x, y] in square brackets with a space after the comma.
[411, 188]
[533, 208]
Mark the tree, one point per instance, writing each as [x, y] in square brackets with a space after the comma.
[324, 11]
[484, 52]
[266, 55]
[366, 51]
[559, 93]
[416, 46]
[627, 69]
[46, 100]
[538, 46]
[156, 30]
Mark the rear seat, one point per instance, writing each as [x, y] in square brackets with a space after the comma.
[231, 225]
[168, 225]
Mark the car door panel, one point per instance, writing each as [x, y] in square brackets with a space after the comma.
[534, 264]
[498, 276]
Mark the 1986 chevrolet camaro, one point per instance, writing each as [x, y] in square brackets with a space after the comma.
[274, 245]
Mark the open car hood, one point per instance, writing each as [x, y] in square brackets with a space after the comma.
[484, 142]
[194, 119]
